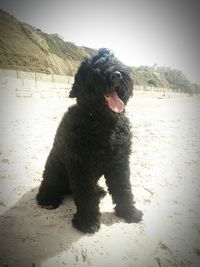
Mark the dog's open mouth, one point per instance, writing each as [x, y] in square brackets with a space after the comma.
[114, 102]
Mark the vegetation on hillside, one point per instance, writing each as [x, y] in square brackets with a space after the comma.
[164, 77]
[27, 48]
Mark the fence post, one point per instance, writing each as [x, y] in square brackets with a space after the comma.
[53, 81]
[35, 79]
[163, 91]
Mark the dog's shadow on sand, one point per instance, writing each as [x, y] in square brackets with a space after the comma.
[29, 234]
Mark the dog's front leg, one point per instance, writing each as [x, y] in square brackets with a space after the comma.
[118, 182]
[86, 197]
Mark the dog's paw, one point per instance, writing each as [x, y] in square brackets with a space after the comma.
[84, 225]
[130, 214]
[48, 203]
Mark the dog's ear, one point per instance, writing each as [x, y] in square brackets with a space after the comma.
[74, 91]
[80, 77]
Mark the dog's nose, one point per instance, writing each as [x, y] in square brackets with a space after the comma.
[116, 76]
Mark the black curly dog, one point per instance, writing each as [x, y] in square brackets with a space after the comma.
[93, 139]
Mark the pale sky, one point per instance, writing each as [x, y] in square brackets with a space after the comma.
[140, 32]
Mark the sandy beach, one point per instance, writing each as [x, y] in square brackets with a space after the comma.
[165, 177]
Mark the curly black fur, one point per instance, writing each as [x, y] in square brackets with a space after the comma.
[92, 140]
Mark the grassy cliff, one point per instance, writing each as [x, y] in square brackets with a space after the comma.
[164, 77]
[27, 48]
[24, 47]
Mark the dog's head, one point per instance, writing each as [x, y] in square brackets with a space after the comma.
[103, 82]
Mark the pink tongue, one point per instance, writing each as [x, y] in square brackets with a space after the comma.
[115, 103]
